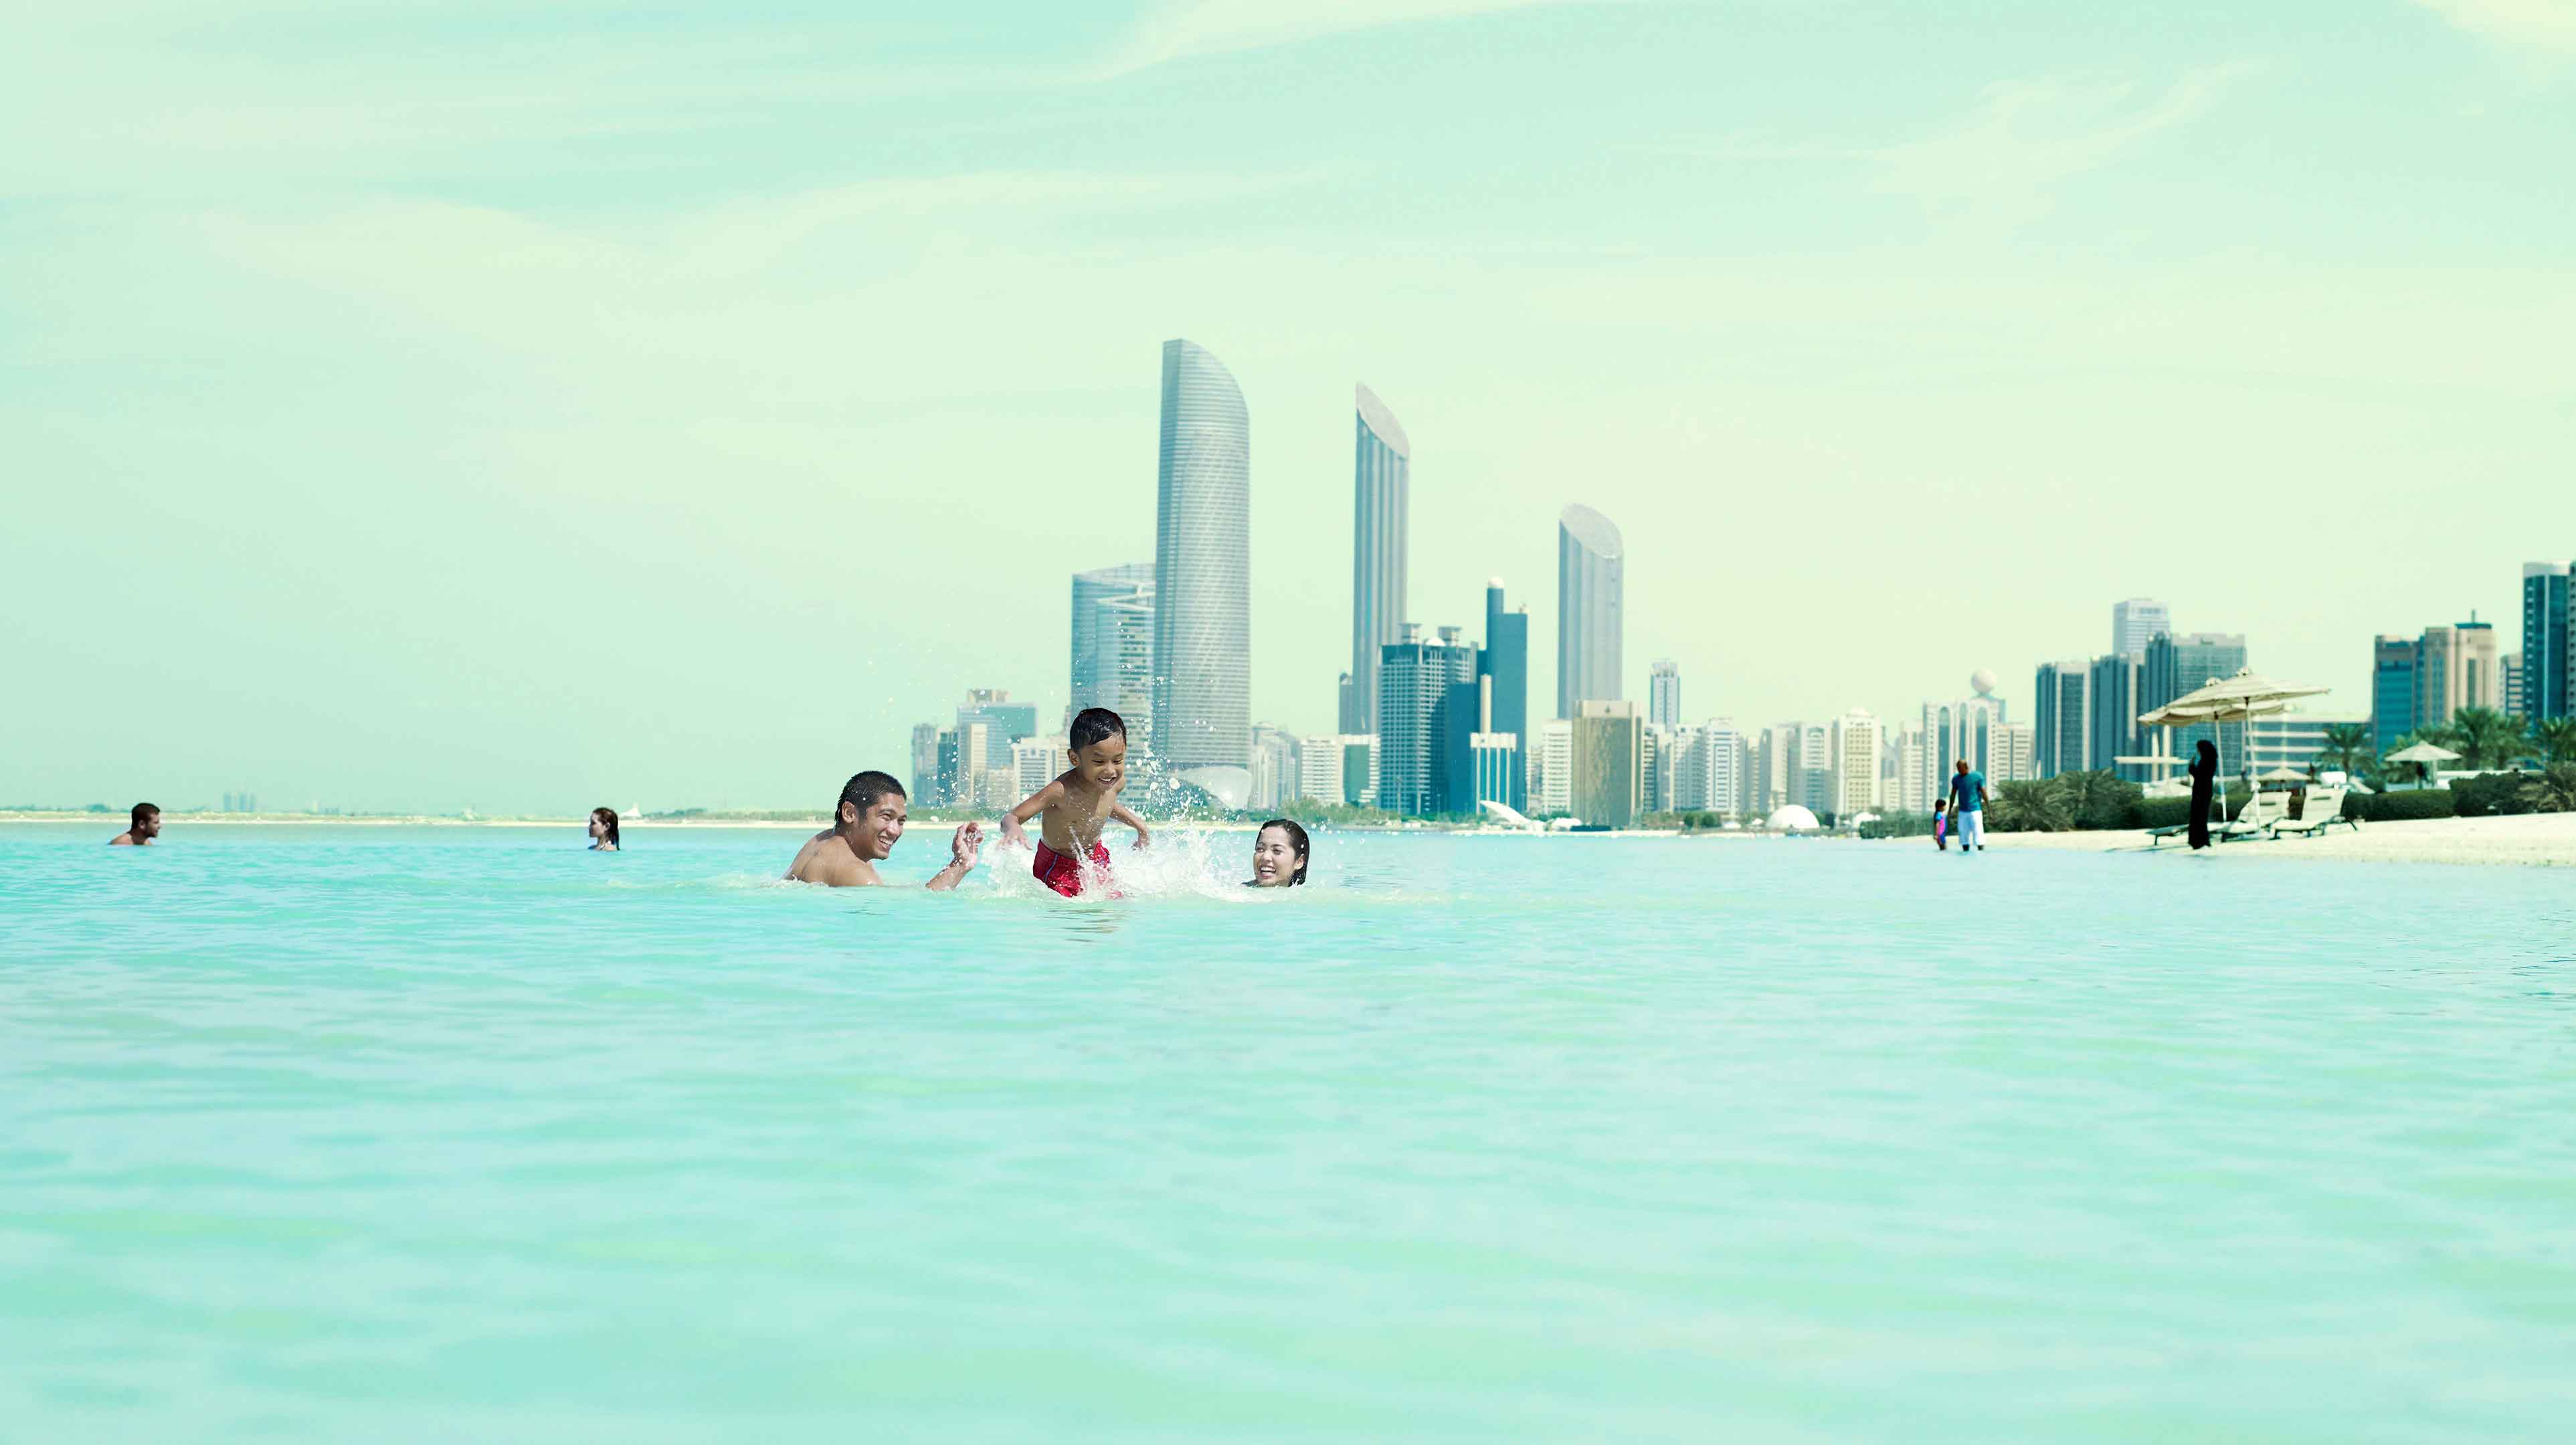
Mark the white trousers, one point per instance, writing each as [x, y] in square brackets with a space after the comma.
[1970, 828]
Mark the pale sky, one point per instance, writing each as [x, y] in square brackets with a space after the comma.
[422, 406]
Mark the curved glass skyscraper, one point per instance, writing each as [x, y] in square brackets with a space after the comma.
[1202, 566]
[1589, 578]
[1381, 485]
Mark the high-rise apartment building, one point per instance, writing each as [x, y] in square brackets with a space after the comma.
[2548, 641]
[1708, 768]
[1276, 760]
[2111, 693]
[2062, 723]
[2392, 691]
[2135, 623]
[1381, 486]
[2456, 667]
[1505, 663]
[2290, 740]
[1970, 727]
[1609, 753]
[1554, 793]
[1776, 782]
[1815, 788]
[1858, 739]
[1913, 775]
[2015, 746]
[1419, 706]
[925, 763]
[2175, 665]
[1092, 673]
[1036, 762]
[1202, 566]
[1664, 694]
[1005, 722]
[2509, 672]
[1590, 578]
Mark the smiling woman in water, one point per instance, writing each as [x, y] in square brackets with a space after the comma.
[603, 830]
[1278, 855]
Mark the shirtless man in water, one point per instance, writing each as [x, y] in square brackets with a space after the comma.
[870, 820]
[142, 828]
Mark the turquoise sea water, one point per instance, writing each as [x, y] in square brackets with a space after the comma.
[436, 1134]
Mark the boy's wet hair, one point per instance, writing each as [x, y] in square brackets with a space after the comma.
[1296, 839]
[863, 790]
[1095, 724]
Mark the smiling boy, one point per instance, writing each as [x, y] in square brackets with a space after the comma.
[1078, 805]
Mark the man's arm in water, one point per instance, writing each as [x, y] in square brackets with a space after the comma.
[962, 848]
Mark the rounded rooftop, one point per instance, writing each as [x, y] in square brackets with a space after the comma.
[1982, 680]
[1598, 534]
[1381, 422]
[1794, 819]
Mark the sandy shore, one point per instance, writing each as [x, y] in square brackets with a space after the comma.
[2529, 840]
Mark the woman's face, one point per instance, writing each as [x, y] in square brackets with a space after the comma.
[598, 829]
[1274, 859]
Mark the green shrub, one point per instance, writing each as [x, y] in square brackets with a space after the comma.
[2489, 793]
[2398, 807]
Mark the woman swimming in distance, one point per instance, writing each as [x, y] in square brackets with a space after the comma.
[1278, 855]
[603, 830]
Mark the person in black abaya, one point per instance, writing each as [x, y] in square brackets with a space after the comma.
[2204, 778]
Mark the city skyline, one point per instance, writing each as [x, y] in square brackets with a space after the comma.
[440, 426]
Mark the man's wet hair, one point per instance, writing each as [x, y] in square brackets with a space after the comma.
[141, 812]
[1094, 724]
[863, 790]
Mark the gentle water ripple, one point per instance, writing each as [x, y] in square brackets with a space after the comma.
[440, 1133]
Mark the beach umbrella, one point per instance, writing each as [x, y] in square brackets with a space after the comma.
[2423, 755]
[2283, 775]
[2237, 699]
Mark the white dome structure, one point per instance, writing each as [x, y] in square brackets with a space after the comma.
[1793, 819]
[1982, 680]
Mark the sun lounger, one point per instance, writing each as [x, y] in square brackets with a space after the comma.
[2255, 819]
[2324, 809]
[2256, 808]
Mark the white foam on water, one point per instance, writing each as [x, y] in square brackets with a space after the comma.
[1181, 862]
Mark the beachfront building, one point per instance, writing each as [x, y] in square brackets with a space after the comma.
[1815, 789]
[1419, 706]
[1773, 768]
[1607, 789]
[1912, 790]
[2548, 641]
[1504, 663]
[1708, 767]
[1381, 483]
[2509, 672]
[2062, 723]
[2291, 740]
[1339, 769]
[2175, 665]
[1202, 566]
[1857, 787]
[1664, 694]
[2137, 622]
[2419, 682]
[1589, 582]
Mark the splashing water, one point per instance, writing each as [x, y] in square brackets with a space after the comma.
[1182, 861]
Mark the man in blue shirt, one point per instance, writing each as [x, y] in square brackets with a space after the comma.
[1968, 807]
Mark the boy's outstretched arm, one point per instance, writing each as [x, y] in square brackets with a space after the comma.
[1034, 804]
[1144, 835]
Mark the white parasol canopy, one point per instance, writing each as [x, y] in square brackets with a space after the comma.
[2423, 753]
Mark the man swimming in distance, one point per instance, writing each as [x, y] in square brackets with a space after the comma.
[141, 828]
[869, 820]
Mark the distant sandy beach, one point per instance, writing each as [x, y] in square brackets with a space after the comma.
[2546, 840]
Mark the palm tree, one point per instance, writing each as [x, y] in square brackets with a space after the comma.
[2033, 807]
[2554, 791]
[2556, 738]
[2347, 747]
[2488, 738]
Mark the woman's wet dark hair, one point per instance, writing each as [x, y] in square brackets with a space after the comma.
[609, 817]
[1093, 724]
[1296, 839]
